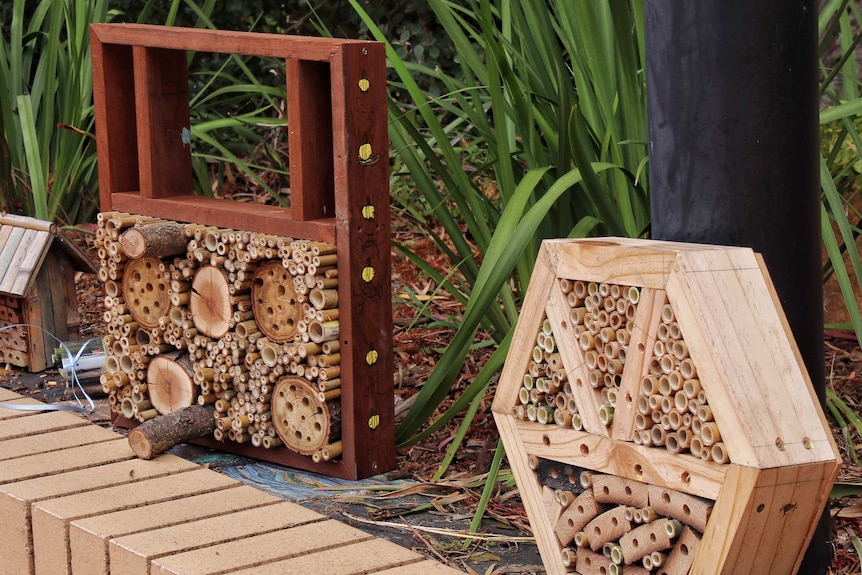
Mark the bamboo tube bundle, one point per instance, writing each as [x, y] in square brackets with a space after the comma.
[543, 384]
[602, 316]
[672, 407]
[235, 305]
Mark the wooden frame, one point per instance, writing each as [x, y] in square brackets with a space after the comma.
[336, 105]
[767, 495]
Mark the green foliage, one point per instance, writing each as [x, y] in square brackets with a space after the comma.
[47, 148]
[840, 164]
[49, 162]
[552, 93]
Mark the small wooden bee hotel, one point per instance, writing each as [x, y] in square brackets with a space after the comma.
[657, 415]
[277, 320]
[37, 290]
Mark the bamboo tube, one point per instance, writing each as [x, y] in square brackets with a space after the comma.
[709, 434]
[331, 451]
[691, 387]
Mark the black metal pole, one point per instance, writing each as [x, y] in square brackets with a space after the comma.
[733, 136]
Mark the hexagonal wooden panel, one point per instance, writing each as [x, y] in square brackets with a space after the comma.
[657, 415]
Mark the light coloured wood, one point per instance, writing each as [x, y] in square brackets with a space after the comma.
[615, 260]
[738, 344]
[28, 223]
[609, 526]
[689, 509]
[274, 300]
[531, 494]
[587, 398]
[644, 539]
[145, 291]
[684, 551]
[170, 382]
[639, 354]
[210, 302]
[8, 252]
[613, 489]
[34, 255]
[576, 516]
[772, 513]
[520, 350]
[653, 466]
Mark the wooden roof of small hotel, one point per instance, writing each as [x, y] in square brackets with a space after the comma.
[24, 243]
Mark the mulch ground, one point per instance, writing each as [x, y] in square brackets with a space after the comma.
[418, 342]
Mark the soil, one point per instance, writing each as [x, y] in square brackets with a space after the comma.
[418, 343]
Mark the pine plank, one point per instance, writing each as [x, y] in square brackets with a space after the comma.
[8, 394]
[656, 466]
[531, 493]
[742, 351]
[767, 511]
[521, 348]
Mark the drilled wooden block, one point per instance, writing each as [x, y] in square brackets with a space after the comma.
[132, 554]
[670, 366]
[51, 518]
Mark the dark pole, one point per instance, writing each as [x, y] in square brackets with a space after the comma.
[734, 158]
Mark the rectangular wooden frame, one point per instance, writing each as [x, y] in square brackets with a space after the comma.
[336, 92]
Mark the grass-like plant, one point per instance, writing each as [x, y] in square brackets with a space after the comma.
[553, 94]
[49, 160]
[47, 143]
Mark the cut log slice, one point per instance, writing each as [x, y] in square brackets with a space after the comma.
[170, 382]
[145, 290]
[302, 421]
[274, 301]
[210, 302]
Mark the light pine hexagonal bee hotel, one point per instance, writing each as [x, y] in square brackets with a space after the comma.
[657, 414]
